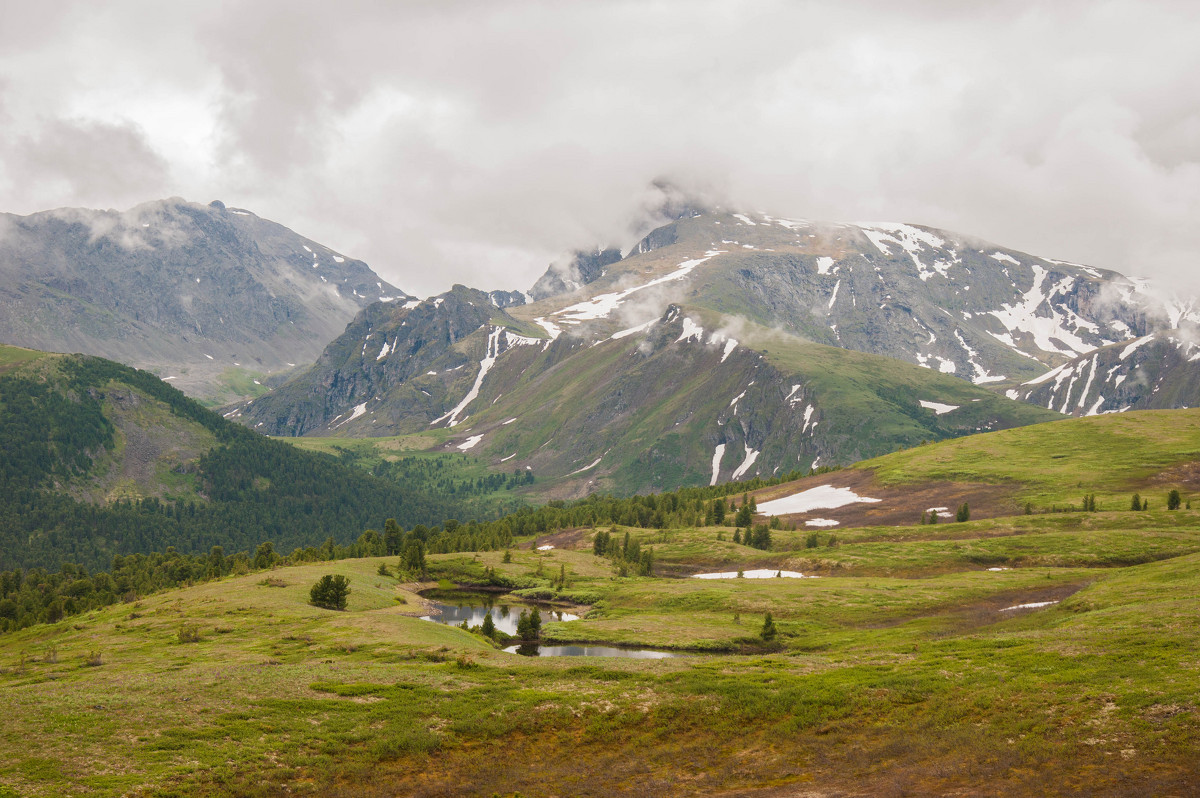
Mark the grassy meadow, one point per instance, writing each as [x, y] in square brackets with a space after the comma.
[899, 671]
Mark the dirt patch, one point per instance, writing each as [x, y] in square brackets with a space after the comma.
[1185, 476]
[898, 505]
[963, 618]
[578, 537]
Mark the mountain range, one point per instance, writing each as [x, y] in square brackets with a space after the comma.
[212, 298]
[721, 345]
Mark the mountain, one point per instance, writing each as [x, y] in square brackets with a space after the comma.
[214, 299]
[1157, 371]
[677, 400]
[101, 459]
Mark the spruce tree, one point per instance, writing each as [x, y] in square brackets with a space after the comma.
[768, 629]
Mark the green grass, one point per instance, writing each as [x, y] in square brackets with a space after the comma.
[896, 672]
[1111, 456]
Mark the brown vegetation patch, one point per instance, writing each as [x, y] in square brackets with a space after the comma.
[1185, 476]
[897, 505]
[579, 537]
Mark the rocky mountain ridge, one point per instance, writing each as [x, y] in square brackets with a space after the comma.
[210, 297]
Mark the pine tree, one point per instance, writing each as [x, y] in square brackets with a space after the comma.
[1136, 503]
[330, 592]
[1174, 500]
[963, 514]
[768, 629]
[489, 626]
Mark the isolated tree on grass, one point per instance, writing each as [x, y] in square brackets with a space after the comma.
[963, 514]
[489, 626]
[1174, 500]
[330, 592]
[768, 629]
[1136, 503]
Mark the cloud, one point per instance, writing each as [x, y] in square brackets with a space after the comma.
[81, 161]
[476, 142]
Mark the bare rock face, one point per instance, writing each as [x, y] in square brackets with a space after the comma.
[209, 296]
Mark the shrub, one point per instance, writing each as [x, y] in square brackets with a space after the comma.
[189, 634]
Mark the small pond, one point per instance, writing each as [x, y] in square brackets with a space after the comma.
[458, 606]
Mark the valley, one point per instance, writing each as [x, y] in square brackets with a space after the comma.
[1046, 653]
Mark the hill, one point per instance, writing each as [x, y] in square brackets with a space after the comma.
[212, 298]
[1043, 654]
[102, 460]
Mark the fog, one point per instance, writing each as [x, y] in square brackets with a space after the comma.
[477, 142]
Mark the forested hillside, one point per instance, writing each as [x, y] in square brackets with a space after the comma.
[78, 484]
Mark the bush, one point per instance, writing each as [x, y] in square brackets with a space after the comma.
[189, 634]
[330, 592]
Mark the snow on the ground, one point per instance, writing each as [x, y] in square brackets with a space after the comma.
[824, 264]
[1046, 329]
[640, 328]
[1129, 350]
[592, 464]
[545, 547]
[506, 459]
[938, 407]
[410, 304]
[730, 345]
[821, 522]
[1059, 372]
[751, 456]
[937, 510]
[338, 259]
[824, 497]
[1002, 257]
[757, 573]
[997, 569]
[911, 240]
[981, 374]
[599, 307]
[384, 352]
[552, 329]
[470, 442]
[718, 454]
[808, 411]
[691, 330]
[210, 357]
[1033, 605]
[485, 365]
[745, 219]
[358, 411]
[833, 298]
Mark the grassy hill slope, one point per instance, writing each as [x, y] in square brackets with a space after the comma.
[1043, 654]
[101, 459]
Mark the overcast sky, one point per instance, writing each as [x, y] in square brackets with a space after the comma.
[475, 142]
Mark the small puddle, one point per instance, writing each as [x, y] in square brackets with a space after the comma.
[590, 651]
[458, 606]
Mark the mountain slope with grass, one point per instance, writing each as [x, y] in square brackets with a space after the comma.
[1028, 655]
[103, 460]
[215, 299]
[653, 409]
